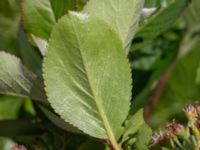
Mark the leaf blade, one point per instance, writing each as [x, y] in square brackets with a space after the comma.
[122, 15]
[86, 75]
[38, 17]
[17, 80]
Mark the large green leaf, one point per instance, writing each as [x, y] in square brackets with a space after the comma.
[162, 20]
[17, 80]
[122, 15]
[92, 77]
[38, 17]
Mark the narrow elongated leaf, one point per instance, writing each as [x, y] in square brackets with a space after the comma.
[38, 17]
[92, 76]
[122, 15]
[162, 20]
[17, 80]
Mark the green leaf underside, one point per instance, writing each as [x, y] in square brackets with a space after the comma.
[38, 17]
[122, 15]
[163, 20]
[93, 79]
[17, 80]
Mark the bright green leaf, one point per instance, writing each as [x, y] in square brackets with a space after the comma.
[38, 17]
[93, 79]
[122, 15]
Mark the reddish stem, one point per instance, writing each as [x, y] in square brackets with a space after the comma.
[157, 91]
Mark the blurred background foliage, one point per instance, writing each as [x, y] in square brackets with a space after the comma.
[165, 60]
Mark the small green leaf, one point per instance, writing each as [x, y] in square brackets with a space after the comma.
[133, 125]
[16, 79]
[122, 15]
[162, 20]
[38, 17]
[143, 138]
[92, 77]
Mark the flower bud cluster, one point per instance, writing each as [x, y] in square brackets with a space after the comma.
[175, 135]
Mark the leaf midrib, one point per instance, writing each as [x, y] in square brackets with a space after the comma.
[102, 115]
